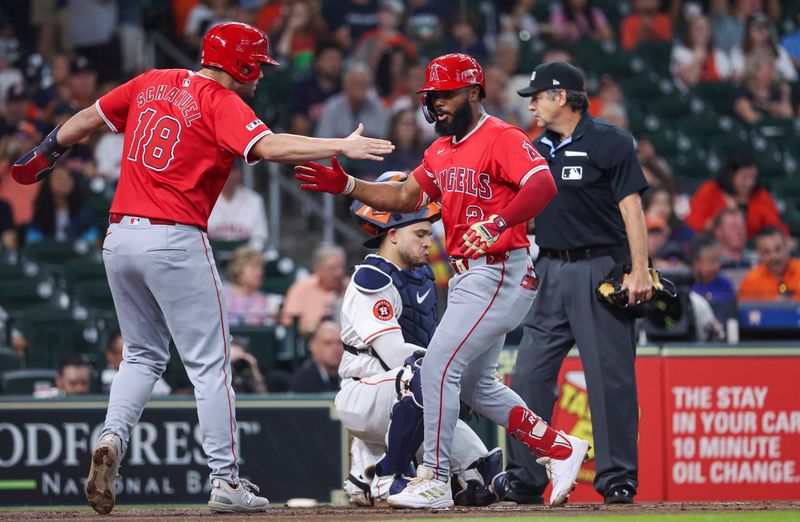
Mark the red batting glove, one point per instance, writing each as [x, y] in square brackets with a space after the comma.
[319, 178]
[480, 236]
[37, 163]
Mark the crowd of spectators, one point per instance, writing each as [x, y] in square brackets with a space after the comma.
[361, 61]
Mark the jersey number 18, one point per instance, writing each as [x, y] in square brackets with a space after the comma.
[154, 140]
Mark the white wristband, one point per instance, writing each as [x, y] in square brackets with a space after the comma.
[350, 186]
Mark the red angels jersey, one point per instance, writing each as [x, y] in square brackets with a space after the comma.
[478, 176]
[183, 132]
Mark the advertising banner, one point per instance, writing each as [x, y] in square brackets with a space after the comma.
[714, 423]
[283, 444]
[732, 426]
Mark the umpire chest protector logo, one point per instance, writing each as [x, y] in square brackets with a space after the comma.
[572, 173]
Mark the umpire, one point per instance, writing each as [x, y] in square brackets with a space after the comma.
[594, 222]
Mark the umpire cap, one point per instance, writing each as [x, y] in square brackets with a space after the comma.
[377, 223]
[553, 75]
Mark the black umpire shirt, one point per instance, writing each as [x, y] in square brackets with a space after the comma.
[593, 170]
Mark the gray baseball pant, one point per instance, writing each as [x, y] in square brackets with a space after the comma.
[566, 312]
[164, 283]
[484, 303]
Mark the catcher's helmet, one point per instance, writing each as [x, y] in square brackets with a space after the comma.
[449, 72]
[238, 49]
[377, 223]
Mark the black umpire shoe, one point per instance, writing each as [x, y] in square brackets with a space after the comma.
[519, 492]
[620, 494]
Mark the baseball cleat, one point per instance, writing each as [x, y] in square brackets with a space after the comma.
[424, 492]
[225, 499]
[380, 486]
[100, 486]
[564, 472]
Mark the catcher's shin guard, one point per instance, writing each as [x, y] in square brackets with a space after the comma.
[406, 433]
[533, 431]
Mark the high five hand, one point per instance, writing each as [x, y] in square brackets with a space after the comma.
[319, 178]
[360, 147]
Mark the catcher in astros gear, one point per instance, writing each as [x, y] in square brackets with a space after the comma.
[388, 315]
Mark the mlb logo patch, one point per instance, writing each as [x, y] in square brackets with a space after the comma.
[572, 173]
[253, 124]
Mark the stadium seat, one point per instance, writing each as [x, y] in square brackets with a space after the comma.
[716, 94]
[671, 106]
[614, 10]
[277, 284]
[262, 341]
[50, 251]
[785, 188]
[656, 54]
[94, 295]
[689, 164]
[8, 359]
[18, 270]
[16, 294]
[791, 216]
[726, 142]
[81, 269]
[778, 133]
[586, 50]
[699, 126]
[53, 332]
[279, 274]
[641, 87]
[665, 142]
[24, 382]
[619, 64]
[770, 164]
[223, 251]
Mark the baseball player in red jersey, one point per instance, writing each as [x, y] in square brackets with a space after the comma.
[490, 180]
[183, 131]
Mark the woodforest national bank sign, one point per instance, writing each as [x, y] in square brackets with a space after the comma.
[45, 451]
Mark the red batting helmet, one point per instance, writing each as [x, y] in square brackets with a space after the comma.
[453, 71]
[238, 49]
[449, 72]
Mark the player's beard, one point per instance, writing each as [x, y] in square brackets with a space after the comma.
[458, 125]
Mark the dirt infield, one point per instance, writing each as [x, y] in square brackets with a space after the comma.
[342, 513]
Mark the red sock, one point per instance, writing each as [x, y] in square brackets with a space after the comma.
[531, 430]
[233, 486]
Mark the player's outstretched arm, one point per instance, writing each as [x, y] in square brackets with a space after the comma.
[403, 196]
[34, 165]
[292, 148]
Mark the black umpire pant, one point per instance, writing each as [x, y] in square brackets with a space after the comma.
[566, 311]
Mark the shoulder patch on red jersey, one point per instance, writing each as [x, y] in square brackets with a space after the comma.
[253, 124]
[383, 310]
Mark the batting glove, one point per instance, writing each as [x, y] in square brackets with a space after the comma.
[37, 163]
[319, 178]
[480, 236]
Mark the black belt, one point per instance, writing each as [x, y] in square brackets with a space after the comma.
[579, 254]
[368, 351]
